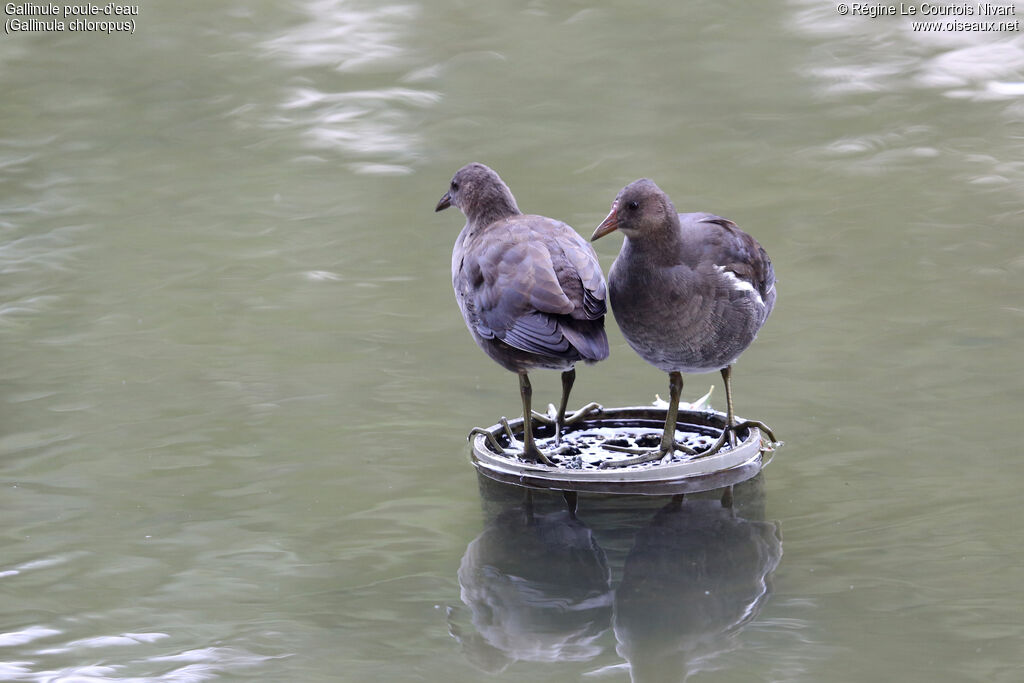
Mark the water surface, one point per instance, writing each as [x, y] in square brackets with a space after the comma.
[235, 388]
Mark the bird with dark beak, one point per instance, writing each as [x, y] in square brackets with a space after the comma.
[530, 289]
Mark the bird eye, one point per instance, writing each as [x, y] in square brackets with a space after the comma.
[455, 186]
[633, 206]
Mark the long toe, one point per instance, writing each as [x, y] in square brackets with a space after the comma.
[718, 444]
[684, 448]
[729, 436]
[722, 440]
[765, 429]
[581, 414]
[548, 419]
[642, 455]
[489, 437]
[537, 455]
[494, 445]
[574, 418]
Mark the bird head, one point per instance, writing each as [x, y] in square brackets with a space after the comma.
[476, 189]
[639, 210]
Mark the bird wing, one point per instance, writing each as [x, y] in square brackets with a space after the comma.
[579, 273]
[733, 250]
[580, 276]
[523, 287]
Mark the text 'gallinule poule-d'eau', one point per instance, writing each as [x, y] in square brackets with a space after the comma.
[689, 291]
[530, 289]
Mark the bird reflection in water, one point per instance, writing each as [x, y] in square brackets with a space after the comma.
[665, 583]
[696, 575]
[538, 587]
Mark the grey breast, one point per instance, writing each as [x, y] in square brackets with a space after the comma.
[698, 309]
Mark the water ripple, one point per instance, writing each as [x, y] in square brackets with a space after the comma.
[26, 635]
[886, 54]
[190, 666]
[342, 37]
[366, 123]
[106, 641]
[979, 72]
[878, 65]
[372, 128]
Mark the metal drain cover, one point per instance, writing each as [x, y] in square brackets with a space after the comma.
[583, 464]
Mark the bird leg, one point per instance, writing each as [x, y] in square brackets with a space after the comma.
[726, 498]
[563, 420]
[530, 450]
[668, 438]
[559, 420]
[568, 377]
[571, 502]
[730, 414]
[729, 432]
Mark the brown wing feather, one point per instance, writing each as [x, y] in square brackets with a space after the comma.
[531, 279]
[739, 253]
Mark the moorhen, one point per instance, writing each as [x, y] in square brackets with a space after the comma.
[690, 292]
[530, 289]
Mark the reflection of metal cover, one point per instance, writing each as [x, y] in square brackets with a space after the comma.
[582, 470]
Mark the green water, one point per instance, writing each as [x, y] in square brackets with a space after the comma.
[235, 387]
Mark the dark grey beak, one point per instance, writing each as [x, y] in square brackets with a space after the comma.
[445, 202]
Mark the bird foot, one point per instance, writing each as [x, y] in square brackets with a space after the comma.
[547, 419]
[536, 455]
[584, 412]
[661, 453]
[524, 453]
[550, 419]
[492, 442]
[729, 433]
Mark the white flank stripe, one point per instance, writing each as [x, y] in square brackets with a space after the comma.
[738, 284]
